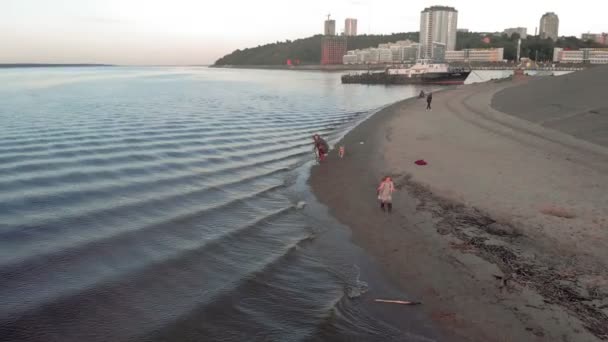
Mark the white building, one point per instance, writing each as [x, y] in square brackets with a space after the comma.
[487, 55]
[403, 51]
[385, 55]
[598, 56]
[438, 24]
[568, 56]
[362, 56]
[397, 52]
[455, 56]
[350, 57]
[373, 56]
[592, 56]
[476, 55]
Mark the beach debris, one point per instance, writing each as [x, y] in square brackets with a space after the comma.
[420, 162]
[300, 205]
[557, 211]
[402, 302]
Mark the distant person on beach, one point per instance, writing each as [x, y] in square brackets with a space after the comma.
[385, 194]
[321, 147]
[429, 99]
[422, 95]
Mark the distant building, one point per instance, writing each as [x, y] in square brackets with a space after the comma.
[333, 48]
[591, 56]
[600, 38]
[330, 27]
[549, 26]
[476, 55]
[463, 30]
[350, 27]
[439, 50]
[350, 57]
[522, 31]
[438, 24]
[403, 51]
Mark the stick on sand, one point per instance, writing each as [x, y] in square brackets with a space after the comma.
[397, 302]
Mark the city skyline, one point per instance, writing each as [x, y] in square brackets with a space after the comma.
[186, 32]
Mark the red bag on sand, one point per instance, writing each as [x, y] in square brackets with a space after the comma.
[420, 162]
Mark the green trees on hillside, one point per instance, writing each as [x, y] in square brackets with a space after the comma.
[531, 47]
[308, 50]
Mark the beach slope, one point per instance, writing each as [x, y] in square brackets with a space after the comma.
[502, 235]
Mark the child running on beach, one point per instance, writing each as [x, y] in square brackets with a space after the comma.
[429, 99]
[385, 194]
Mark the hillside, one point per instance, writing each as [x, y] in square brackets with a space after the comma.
[308, 50]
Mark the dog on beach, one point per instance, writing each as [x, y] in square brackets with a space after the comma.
[341, 152]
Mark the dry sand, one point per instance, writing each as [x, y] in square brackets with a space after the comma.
[576, 103]
[503, 235]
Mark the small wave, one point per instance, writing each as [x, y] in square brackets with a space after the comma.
[43, 238]
[148, 290]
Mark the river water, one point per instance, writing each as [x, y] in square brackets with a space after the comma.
[167, 204]
[161, 204]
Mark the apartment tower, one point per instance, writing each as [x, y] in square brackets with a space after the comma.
[549, 26]
[438, 24]
[350, 27]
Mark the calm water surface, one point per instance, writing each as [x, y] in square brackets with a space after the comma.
[160, 204]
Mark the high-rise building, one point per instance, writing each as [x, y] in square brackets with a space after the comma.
[350, 27]
[333, 48]
[522, 31]
[330, 27]
[549, 26]
[438, 24]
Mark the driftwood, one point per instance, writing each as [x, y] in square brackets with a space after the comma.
[402, 302]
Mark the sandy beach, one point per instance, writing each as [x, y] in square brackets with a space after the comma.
[503, 235]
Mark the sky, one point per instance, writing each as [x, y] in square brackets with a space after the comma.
[188, 32]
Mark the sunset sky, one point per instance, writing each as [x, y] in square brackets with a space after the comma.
[180, 32]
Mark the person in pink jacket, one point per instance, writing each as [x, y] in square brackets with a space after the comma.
[385, 194]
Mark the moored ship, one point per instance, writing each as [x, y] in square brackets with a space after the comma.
[423, 72]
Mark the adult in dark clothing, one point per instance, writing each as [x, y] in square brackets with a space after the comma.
[429, 99]
[321, 146]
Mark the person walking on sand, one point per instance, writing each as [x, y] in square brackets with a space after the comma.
[321, 147]
[429, 99]
[385, 194]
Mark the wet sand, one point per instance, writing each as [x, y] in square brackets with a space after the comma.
[502, 236]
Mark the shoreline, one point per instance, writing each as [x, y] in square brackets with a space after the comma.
[480, 263]
[311, 67]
